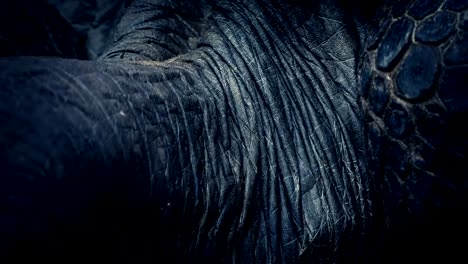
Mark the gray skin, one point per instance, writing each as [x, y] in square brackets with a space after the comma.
[226, 131]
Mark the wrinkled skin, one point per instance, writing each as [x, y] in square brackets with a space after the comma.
[230, 131]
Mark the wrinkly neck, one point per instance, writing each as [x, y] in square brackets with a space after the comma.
[296, 146]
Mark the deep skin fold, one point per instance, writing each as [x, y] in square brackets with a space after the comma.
[259, 140]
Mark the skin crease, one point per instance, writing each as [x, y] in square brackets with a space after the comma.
[216, 131]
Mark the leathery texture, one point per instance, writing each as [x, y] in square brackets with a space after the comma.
[288, 149]
[413, 80]
[241, 136]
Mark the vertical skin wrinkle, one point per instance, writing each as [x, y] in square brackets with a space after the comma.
[246, 147]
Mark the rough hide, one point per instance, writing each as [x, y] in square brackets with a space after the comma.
[228, 131]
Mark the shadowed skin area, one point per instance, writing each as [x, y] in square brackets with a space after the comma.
[240, 137]
[218, 131]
